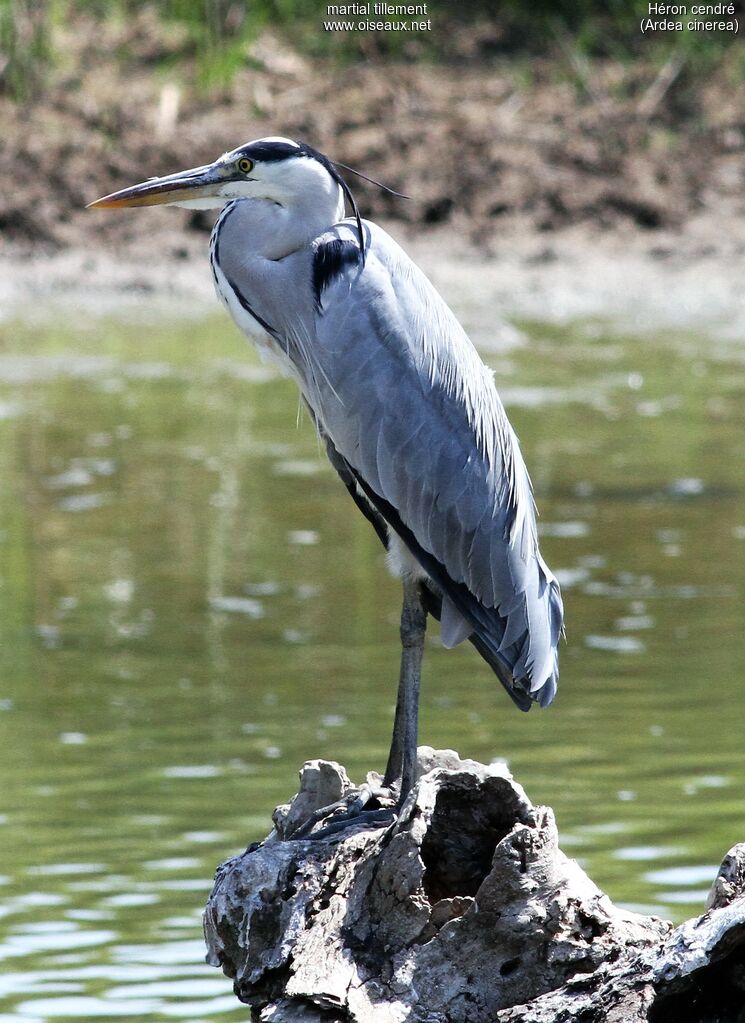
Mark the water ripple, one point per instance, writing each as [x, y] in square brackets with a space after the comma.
[86, 1006]
[16, 945]
[196, 987]
[238, 605]
[615, 644]
[688, 875]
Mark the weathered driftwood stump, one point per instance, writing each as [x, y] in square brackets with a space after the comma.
[464, 910]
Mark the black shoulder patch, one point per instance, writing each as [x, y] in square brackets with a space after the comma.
[329, 261]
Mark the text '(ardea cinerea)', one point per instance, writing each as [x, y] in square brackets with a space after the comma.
[408, 412]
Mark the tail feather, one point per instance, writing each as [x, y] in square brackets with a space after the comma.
[433, 605]
[516, 648]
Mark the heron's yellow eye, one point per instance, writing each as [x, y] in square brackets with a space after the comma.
[245, 166]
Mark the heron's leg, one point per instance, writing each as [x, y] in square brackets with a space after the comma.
[349, 811]
[401, 770]
[402, 757]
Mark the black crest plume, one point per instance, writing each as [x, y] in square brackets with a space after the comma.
[332, 166]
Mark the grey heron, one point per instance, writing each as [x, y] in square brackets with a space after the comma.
[409, 413]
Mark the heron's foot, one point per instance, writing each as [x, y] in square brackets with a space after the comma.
[373, 806]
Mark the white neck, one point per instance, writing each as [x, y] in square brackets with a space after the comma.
[284, 208]
[274, 230]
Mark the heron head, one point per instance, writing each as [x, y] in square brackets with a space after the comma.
[275, 169]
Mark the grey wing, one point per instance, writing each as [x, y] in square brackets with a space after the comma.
[401, 393]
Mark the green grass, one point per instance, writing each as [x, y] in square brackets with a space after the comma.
[25, 48]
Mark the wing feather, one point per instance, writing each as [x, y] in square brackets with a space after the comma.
[412, 412]
[425, 428]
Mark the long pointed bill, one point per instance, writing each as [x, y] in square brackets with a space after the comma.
[200, 183]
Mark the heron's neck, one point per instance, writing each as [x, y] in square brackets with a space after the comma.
[274, 229]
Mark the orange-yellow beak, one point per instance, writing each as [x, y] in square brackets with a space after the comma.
[196, 187]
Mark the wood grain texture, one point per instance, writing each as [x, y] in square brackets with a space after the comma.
[464, 910]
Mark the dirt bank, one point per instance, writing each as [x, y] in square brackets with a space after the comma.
[491, 147]
[579, 185]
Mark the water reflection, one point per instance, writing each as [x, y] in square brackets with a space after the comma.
[190, 607]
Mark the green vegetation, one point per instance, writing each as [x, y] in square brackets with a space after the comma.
[213, 35]
[24, 46]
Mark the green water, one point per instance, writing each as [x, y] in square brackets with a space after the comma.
[190, 606]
